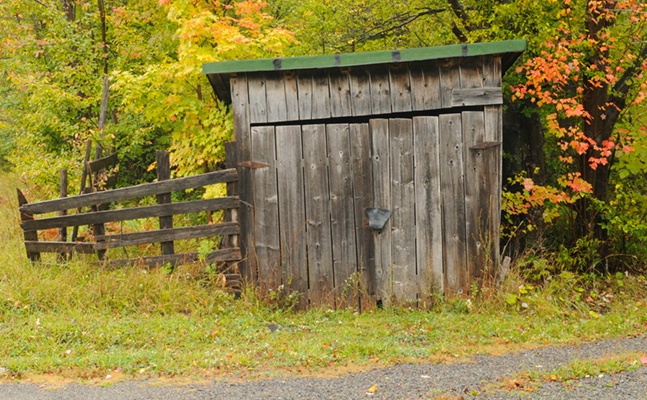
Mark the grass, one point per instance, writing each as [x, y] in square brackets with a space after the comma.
[571, 373]
[81, 322]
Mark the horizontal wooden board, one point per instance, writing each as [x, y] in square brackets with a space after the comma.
[59, 247]
[165, 235]
[160, 210]
[132, 192]
[476, 97]
[230, 254]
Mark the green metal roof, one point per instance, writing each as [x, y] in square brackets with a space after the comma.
[366, 58]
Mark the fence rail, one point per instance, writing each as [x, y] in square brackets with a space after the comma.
[164, 210]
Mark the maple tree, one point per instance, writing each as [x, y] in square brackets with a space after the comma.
[585, 80]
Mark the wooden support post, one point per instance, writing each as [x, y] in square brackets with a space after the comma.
[32, 235]
[84, 177]
[98, 229]
[163, 174]
[62, 232]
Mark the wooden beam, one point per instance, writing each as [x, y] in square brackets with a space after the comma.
[163, 235]
[476, 97]
[133, 213]
[59, 247]
[146, 189]
[222, 255]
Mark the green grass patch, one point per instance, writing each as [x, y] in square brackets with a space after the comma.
[81, 321]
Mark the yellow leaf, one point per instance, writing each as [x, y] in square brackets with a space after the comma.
[372, 389]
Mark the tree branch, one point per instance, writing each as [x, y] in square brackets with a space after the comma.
[621, 88]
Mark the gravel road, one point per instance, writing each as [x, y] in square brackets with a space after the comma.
[467, 380]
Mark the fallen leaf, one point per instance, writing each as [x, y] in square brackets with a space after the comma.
[372, 389]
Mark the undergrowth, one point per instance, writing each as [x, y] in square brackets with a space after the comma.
[77, 320]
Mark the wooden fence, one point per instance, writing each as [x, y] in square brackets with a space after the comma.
[164, 210]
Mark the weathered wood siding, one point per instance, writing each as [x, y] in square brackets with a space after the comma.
[316, 148]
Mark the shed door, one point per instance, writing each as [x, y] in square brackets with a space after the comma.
[310, 226]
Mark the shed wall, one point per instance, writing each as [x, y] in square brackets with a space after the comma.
[316, 148]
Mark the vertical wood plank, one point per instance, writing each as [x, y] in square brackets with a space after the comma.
[425, 86]
[277, 109]
[340, 93]
[32, 235]
[379, 129]
[471, 73]
[403, 230]
[243, 146]
[476, 193]
[266, 240]
[304, 88]
[380, 90]
[164, 174]
[362, 177]
[429, 227]
[317, 204]
[400, 83]
[492, 75]
[291, 96]
[320, 95]
[257, 98]
[449, 80]
[360, 91]
[452, 188]
[342, 220]
[292, 219]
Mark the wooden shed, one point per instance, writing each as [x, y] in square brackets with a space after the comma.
[329, 147]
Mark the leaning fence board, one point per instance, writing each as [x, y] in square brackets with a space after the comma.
[222, 255]
[403, 234]
[102, 163]
[26, 217]
[132, 192]
[382, 198]
[452, 187]
[59, 247]
[292, 217]
[133, 213]
[163, 235]
[317, 206]
[429, 226]
[342, 221]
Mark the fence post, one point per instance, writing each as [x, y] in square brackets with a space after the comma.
[163, 174]
[98, 229]
[62, 232]
[32, 235]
